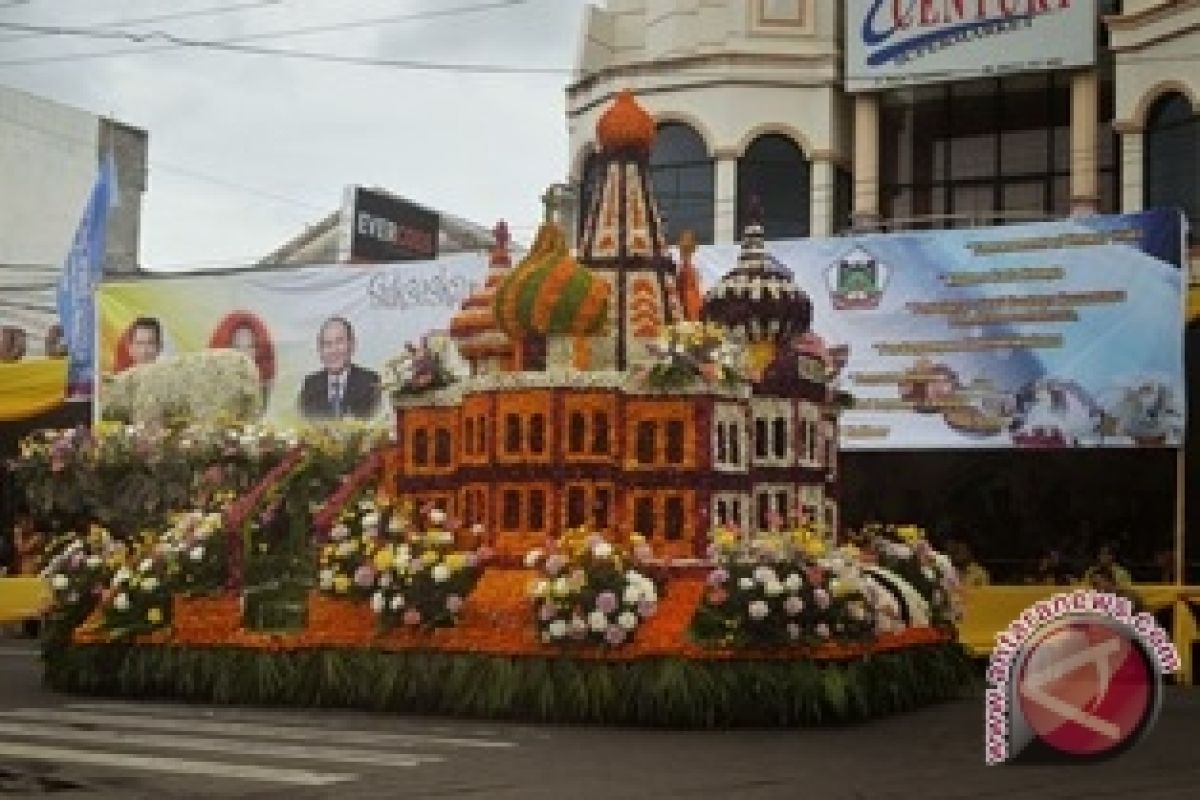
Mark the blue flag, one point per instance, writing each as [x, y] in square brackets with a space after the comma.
[76, 286]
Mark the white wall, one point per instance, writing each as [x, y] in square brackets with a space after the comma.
[718, 67]
[48, 164]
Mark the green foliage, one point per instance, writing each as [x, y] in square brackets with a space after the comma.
[663, 692]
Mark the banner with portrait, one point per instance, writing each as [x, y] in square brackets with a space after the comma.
[319, 336]
[1056, 334]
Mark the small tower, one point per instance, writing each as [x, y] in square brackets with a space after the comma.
[622, 239]
[480, 340]
[759, 300]
[551, 306]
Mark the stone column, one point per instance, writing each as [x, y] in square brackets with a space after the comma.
[725, 196]
[1085, 95]
[1133, 187]
[866, 161]
[821, 194]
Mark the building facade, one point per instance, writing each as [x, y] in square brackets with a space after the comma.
[49, 157]
[754, 98]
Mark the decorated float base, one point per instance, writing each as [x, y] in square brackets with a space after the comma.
[493, 665]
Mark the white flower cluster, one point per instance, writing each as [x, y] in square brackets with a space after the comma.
[210, 386]
[590, 598]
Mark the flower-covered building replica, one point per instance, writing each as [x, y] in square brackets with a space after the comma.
[626, 512]
[602, 395]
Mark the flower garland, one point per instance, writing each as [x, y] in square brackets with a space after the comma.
[589, 590]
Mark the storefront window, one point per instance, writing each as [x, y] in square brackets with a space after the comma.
[1173, 158]
[684, 182]
[985, 152]
[775, 171]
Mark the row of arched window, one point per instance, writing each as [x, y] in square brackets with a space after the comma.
[774, 169]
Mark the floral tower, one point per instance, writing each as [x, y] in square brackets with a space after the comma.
[480, 340]
[759, 300]
[551, 306]
[623, 238]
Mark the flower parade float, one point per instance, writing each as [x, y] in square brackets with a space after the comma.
[626, 513]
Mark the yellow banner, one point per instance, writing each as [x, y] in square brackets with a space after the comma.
[23, 598]
[29, 388]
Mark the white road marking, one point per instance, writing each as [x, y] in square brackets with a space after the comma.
[276, 732]
[280, 715]
[63, 733]
[216, 769]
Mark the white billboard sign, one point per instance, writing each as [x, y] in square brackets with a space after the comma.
[892, 43]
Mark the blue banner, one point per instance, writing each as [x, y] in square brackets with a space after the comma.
[1054, 334]
[76, 287]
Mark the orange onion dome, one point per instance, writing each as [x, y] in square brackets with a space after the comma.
[474, 328]
[550, 294]
[625, 125]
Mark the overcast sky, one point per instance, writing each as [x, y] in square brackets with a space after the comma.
[292, 133]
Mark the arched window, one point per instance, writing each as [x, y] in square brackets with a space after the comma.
[1173, 158]
[684, 181]
[776, 172]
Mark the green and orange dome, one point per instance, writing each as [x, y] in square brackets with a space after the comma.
[551, 294]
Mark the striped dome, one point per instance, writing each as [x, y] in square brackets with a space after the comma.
[474, 327]
[550, 294]
[759, 296]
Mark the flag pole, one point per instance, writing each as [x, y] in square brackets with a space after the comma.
[1181, 450]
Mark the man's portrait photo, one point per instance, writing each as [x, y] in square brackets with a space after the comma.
[341, 388]
[142, 343]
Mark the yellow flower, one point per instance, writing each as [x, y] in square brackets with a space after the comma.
[910, 533]
[843, 587]
[455, 561]
[154, 616]
[384, 559]
[341, 583]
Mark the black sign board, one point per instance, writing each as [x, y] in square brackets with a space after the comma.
[383, 227]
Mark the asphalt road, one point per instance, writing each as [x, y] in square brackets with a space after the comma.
[90, 747]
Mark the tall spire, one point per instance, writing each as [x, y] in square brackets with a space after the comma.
[623, 221]
[622, 237]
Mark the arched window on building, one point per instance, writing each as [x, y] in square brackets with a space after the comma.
[684, 181]
[1173, 158]
[776, 172]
